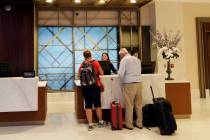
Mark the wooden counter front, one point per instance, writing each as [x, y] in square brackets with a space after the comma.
[79, 105]
[179, 95]
[80, 111]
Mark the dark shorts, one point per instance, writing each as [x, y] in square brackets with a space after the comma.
[92, 96]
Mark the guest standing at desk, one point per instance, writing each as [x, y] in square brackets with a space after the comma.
[130, 77]
[90, 88]
[106, 65]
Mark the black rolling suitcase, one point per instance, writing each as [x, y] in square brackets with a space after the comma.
[166, 120]
[149, 116]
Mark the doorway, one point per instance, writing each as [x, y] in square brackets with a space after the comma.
[203, 38]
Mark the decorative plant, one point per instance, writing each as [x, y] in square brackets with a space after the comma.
[167, 43]
[167, 47]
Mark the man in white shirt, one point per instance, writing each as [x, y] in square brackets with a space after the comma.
[130, 77]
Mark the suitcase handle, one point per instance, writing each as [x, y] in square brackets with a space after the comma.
[153, 97]
[119, 99]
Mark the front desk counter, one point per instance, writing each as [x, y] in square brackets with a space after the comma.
[113, 91]
[23, 101]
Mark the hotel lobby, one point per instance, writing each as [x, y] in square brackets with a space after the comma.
[41, 49]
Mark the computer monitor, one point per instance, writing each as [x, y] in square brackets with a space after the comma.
[148, 67]
[29, 74]
[5, 70]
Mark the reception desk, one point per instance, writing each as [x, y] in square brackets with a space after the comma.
[22, 101]
[113, 91]
[18, 94]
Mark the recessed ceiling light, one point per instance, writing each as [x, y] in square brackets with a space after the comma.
[101, 1]
[77, 1]
[7, 7]
[132, 1]
[50, 1]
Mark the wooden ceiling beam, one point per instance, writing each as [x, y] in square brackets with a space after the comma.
[54, 7]
[91, 3]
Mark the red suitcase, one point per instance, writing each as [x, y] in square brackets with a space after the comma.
[116, 116]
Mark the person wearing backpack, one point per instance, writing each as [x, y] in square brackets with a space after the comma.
[89, 72]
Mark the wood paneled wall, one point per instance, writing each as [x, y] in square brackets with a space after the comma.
[146, 44]
[207, 53]
[17, 37]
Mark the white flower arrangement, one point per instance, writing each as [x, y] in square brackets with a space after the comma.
[167, 44]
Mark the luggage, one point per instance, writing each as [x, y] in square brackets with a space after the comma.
[116, 116]
[149, 116]
[166, 120]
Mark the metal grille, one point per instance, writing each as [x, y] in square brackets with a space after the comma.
[55, 60]
[98, 40]
[61, 51]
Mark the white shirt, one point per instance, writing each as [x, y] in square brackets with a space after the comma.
[130, 70]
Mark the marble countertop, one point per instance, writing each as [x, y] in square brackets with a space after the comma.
[177, 81]
[77, 82]
[19, 94]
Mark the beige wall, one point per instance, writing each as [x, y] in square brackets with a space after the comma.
[169, 17]
[191, 11]
[148, 18]
[148, 14]
[180, 15]
[166, 16]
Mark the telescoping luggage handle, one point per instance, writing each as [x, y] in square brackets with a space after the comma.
[153, 97]
[119, 99]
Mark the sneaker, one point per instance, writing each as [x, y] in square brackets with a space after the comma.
[90, 127]
[101, 124]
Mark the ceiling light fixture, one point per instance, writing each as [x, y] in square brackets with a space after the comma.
[101, 1]
[132, 1]
[77, 1]
[50, 1]
[8, 8]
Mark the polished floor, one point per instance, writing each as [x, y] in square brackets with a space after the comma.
[61, 125]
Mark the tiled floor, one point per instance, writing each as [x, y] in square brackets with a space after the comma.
[61, 125]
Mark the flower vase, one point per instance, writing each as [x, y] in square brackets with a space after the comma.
[168, 70]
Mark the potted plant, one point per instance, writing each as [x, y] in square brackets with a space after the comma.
[167, 47]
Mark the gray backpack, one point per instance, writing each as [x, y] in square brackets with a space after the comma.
[87, 74]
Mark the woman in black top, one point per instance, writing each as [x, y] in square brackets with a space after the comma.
[107, 66]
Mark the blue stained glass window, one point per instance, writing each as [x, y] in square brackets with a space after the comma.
[98, 40]
[55, 57]
[59, 56]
